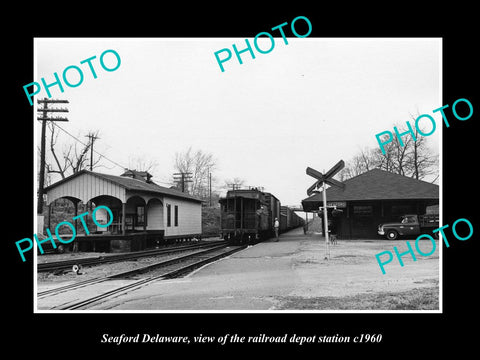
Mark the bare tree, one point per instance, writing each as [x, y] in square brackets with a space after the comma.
[78, 159]
[199, 165]
[386, 160]
[409, 158]
[365, 160]
[74, 157]
[141, 164]
[401, 153]
[61, 168]
[423, 162]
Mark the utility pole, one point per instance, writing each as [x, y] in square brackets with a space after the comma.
[185, 177]
[210, 187]
[92, 137]
[235, 186]
[44, 118]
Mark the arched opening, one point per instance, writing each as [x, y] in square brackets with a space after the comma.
[115, 206]
[63, 209]
[155, 215]
[135, 214]
[156, 227]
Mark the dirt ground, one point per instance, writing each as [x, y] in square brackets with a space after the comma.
[352, 279]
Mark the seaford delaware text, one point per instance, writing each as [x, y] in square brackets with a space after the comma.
[383, 140]
[228, 54]
[59, 238]
[71, 70]
[417, 245]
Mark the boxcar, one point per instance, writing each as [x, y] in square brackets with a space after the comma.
[289, 219]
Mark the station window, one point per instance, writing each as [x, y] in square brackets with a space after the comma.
[175, 220]
[399, 210]
[169, 215]
[140, 215]
[363, 210]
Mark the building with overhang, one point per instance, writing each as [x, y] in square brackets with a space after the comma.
[143, 212]
[372, 198]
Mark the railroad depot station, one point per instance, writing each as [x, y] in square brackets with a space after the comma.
[143, 212]
[372, 198]
[296, 271]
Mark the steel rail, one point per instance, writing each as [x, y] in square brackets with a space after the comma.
[142, 282]
[67, 264]
[128, 273]
[188, 268]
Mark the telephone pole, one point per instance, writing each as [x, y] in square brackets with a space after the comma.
[182, 177]
[210, 187]
[92, 137]
[44, 118]
[235, 186]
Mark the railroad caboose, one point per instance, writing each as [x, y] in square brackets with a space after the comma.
[248, 216]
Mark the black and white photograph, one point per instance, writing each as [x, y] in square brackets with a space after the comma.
[264, 181]
[201, 177]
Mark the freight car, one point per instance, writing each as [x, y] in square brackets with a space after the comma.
[289, 220]
[248, 216]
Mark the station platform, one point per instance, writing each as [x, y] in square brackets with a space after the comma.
[284, 275]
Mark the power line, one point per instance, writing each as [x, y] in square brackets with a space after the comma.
[101, 155]
[95, 151]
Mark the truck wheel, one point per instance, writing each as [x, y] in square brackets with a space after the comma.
[392, 234]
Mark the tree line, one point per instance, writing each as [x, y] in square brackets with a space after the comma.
[78, 155]
[414, 159]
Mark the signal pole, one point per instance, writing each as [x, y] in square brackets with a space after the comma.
[44, 118]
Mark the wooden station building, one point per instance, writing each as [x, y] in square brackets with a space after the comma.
[372, 198]
[144, 213]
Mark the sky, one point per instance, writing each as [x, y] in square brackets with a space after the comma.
[310, 103]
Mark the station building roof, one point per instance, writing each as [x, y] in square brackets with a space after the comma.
[128, 183]
[376, 184]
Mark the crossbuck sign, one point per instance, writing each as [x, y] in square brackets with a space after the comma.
[323, 180]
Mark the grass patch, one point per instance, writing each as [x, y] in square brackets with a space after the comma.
[415, 299]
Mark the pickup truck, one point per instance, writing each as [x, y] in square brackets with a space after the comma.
[410, 225]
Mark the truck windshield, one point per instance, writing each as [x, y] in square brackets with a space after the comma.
[408, 219]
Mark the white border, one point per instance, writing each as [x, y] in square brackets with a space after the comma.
[35, 134]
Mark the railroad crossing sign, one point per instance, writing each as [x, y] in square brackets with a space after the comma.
[324, 180]
[327, 178]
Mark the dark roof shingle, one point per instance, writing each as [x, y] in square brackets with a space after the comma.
[378, 184]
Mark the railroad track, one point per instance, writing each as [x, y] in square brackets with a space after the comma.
[168, 269]
[56, 266]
